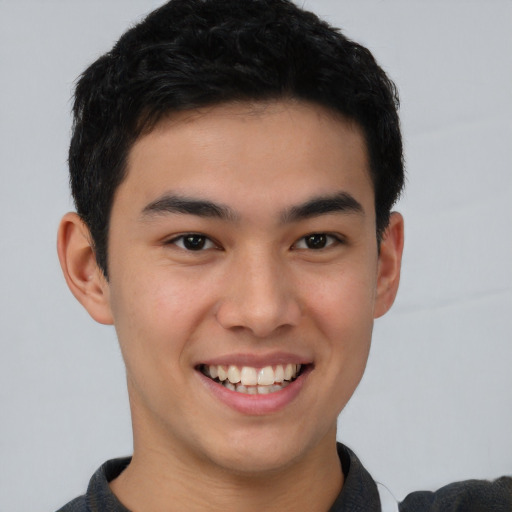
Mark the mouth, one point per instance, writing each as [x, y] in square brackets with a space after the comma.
[251, 380]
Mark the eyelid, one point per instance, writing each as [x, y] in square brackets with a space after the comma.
[175, 240]
[335, 240]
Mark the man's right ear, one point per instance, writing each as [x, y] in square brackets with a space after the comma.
[78, 262]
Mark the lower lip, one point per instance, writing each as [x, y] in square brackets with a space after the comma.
[256, 405]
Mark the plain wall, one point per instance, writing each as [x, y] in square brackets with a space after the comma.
[435, 404]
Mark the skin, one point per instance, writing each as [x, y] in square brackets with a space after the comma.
[254, 290]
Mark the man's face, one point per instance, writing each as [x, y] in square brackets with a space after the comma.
[244, 237]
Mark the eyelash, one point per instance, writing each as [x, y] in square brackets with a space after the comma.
[181, 240]
[330, 241]
[206, 242]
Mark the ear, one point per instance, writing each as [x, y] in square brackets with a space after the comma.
[390, 262]
[83, 276]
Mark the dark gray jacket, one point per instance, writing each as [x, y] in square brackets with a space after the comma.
[359, 493]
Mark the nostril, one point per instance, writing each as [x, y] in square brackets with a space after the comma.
[260, 321]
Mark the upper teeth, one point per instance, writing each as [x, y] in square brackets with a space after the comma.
[250, 376]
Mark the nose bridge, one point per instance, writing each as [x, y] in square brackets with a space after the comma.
[259, 296]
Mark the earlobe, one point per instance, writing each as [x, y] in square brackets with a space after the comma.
[78, 262]
[390, 262]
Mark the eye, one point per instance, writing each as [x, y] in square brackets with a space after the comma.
[193, 242]
[316, 241]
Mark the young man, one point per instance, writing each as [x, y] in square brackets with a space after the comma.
[234, 165]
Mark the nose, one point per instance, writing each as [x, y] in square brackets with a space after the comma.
[259, 296]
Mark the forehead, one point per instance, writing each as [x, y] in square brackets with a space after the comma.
[233, 150]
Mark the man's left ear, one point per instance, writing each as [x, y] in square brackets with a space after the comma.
[390, 261]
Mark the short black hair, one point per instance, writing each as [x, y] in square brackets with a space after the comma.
[194, 53]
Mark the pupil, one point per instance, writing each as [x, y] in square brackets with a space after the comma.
[316, 241]
[194, 242]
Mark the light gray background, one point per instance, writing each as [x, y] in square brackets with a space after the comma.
[435, 404]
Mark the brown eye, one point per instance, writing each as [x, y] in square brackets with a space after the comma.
[316, 241]
[193, 242]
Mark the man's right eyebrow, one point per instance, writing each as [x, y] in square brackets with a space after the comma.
[172, 204]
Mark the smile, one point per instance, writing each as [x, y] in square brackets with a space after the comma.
[253, 381]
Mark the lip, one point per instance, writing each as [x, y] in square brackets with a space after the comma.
[257, 360]
[256, 405]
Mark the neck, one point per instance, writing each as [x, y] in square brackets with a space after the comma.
[162, 480]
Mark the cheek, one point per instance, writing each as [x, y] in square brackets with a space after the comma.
[157, 320]
[342, 309]
[149, 316]
[342, 302]
[347, 325]
[153, 321]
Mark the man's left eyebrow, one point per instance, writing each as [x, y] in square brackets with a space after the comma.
[341, 202]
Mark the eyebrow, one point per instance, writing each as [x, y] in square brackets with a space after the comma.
[188, 206]
[341, 202]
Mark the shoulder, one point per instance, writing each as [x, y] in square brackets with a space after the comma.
[467, 496]
[77, 505]
[99, 497]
